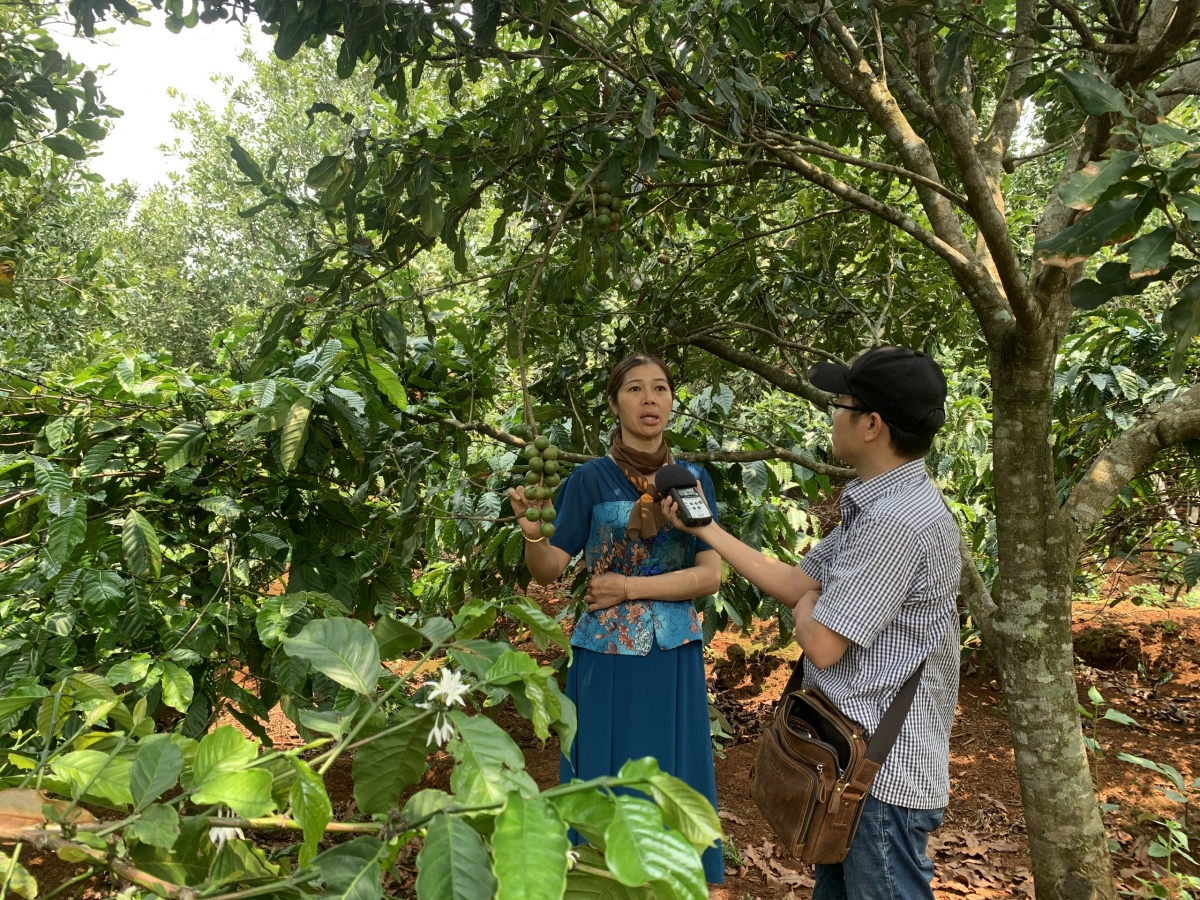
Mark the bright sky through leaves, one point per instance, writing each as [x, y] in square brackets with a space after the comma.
[144, 64]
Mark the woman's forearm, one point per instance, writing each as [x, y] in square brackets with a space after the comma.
[685, 584]
[545, 561]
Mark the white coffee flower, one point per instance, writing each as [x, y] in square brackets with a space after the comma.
[450, 689]
[442, 731]
[219, 834]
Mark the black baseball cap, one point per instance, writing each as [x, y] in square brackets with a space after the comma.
[906, 387]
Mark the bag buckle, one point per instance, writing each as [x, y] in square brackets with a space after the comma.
[835, 802]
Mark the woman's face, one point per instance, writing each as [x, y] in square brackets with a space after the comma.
[644, 402]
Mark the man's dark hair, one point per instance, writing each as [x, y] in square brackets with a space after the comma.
[908, 445]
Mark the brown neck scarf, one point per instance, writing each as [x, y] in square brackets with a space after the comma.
[647, 518]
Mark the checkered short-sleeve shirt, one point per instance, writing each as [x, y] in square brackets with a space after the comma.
[889, 577]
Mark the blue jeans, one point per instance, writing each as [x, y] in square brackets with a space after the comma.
[887, 860]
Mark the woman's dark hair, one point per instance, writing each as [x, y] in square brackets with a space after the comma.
[908, 445]
[616, 377]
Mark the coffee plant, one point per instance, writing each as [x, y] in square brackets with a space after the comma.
[178, 545]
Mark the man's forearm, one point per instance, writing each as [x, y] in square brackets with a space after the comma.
[775, 578]
[822, 645]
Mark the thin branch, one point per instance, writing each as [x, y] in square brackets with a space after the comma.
[879, 50]
[990, 306]
[744, 456]
[872, 94]
[909, 95]
[1011, 162]
[975, 594]
[1076, 19]
[985, 202]
[20, 495]
[781, 342]
[802, 459]
[533, 283]
[819, 148]
[44, 839]
[683, 279]
[502, 436]
[835, 24]
[793, 384]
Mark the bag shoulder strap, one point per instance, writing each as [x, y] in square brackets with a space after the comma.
[795, 680]
[885, 735]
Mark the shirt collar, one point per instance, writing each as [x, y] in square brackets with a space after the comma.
[860, 494]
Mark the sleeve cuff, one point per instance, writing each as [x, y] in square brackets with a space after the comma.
[812, 567]
[556, 541]
[833, 619]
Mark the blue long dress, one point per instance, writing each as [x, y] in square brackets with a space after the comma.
[637, 678]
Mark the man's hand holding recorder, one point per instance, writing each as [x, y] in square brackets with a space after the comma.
[687, 508]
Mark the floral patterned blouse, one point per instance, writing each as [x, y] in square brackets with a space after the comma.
[593, 512]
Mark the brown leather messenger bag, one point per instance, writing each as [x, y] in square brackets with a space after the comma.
[815, 767]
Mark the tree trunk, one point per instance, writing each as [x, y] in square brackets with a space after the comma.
[1032, 624]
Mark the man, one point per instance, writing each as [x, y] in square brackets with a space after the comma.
[874, 599]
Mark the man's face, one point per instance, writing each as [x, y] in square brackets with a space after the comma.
[845, 431]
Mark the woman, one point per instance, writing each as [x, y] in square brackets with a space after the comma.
[637, 678]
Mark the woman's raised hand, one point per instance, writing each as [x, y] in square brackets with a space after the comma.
[520, 503]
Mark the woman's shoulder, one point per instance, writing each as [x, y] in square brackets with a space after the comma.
[593, 477]
[695, 468]
[592, 472]
[592, 466]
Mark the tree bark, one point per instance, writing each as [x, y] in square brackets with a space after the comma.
[1023, 309]
[1032, 625]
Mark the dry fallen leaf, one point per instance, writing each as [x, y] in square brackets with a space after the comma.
[937, 843]
[736, 820]
[996, 803]
[1003, 847]
[975, 847]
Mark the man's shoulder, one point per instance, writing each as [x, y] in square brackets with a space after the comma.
[916, 507]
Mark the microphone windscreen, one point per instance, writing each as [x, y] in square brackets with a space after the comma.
[673, 476]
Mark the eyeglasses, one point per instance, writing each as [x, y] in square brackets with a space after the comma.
[833, 405]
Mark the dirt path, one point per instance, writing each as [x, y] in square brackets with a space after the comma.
[981, 851]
